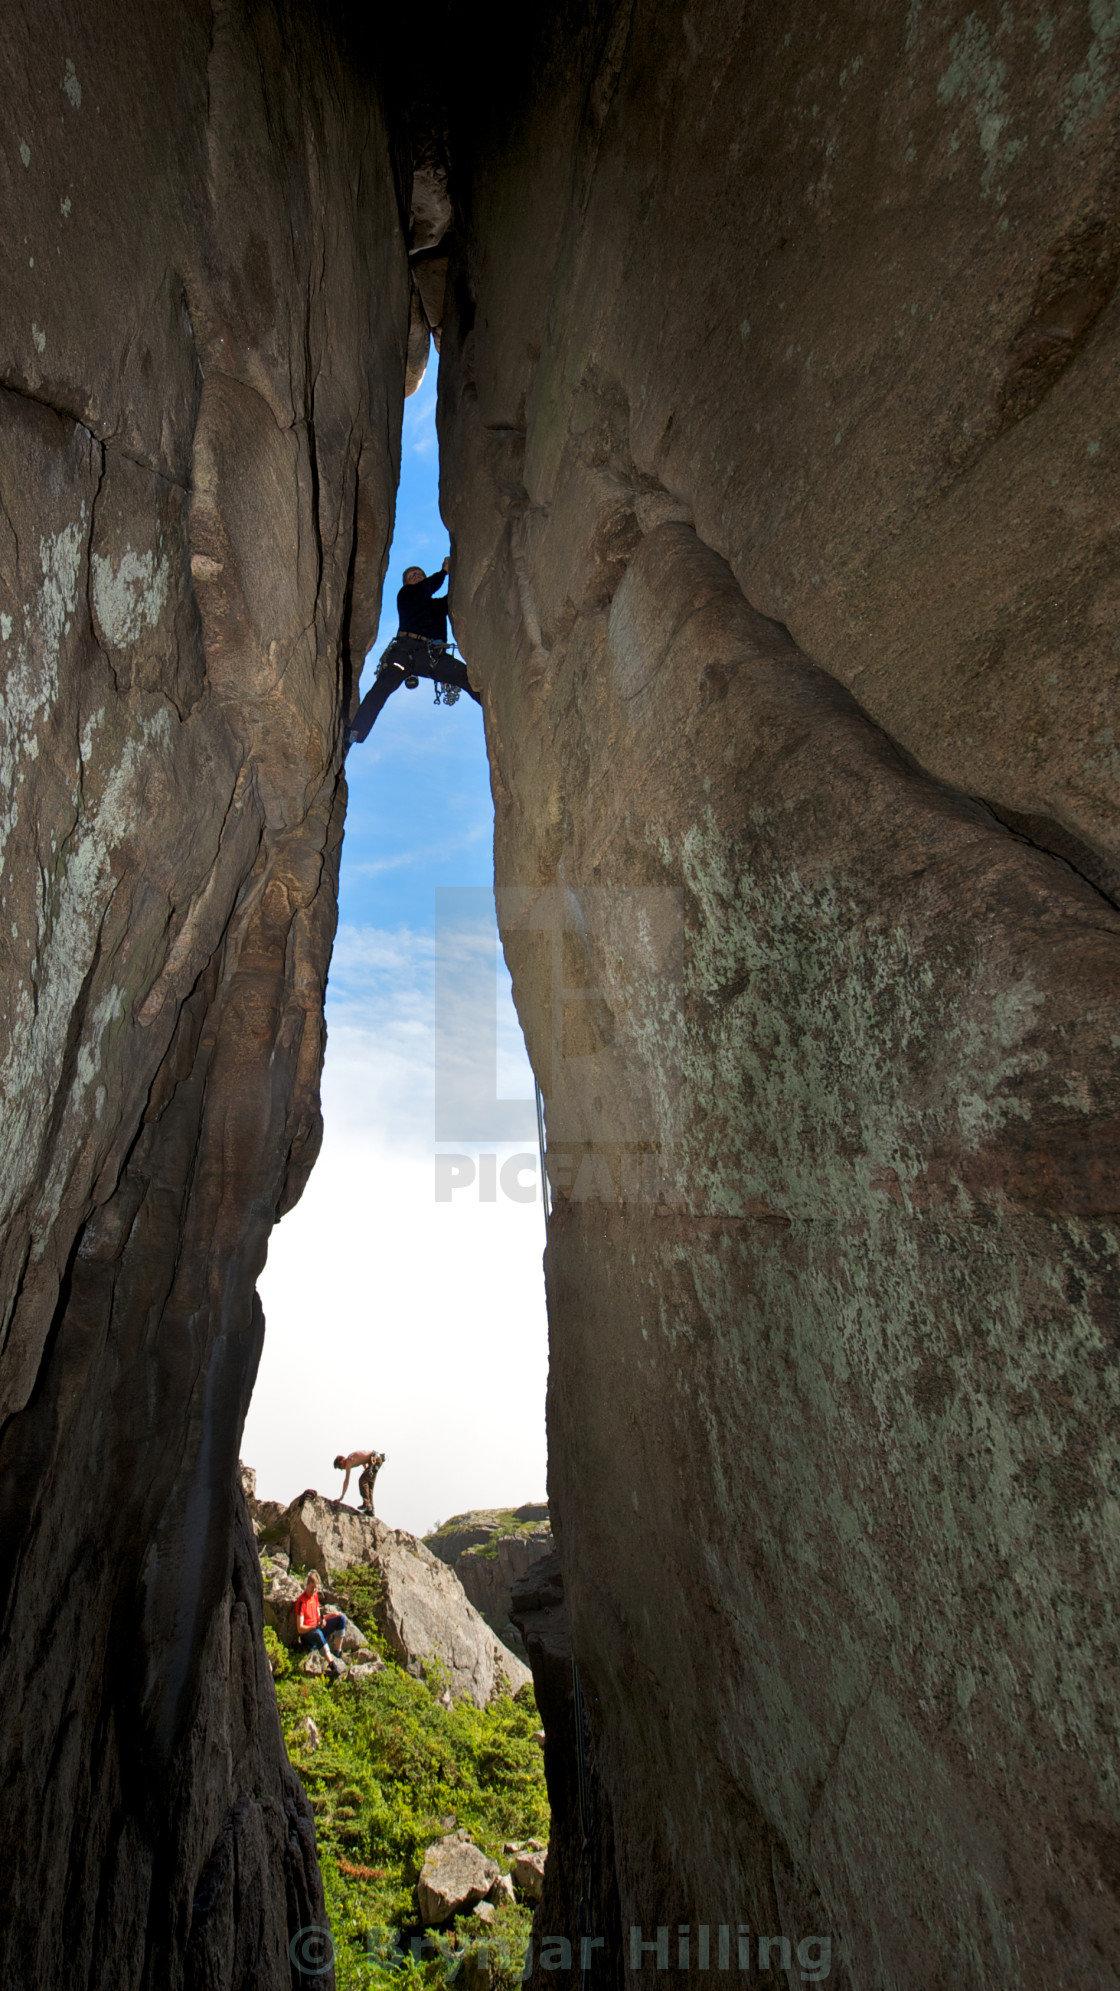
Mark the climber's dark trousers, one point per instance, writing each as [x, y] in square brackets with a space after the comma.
[407, 658]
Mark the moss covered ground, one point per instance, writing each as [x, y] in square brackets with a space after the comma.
[393, 1771]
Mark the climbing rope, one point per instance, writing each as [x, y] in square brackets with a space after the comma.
[546, 1186]
[586, 1820]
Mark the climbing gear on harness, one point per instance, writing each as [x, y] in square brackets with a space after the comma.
[446, 694]
[433, 648]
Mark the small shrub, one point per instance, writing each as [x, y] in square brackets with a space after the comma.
[361, 1590]
[279, 1657]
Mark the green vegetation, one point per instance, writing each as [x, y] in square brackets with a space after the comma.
[488, 1551]
[360, 1589]
[503, 1520]
[279, 1658]
[394, 1771]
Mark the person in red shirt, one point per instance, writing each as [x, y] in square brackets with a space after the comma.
[312, 1628]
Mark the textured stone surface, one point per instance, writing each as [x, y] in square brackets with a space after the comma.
[202, 347]
[779, 366]
[425, 1614]
[423, 1611]
[528, 1872]
[488, 1575]
[581, 1858]
[790, 369]
[489, 1559]
[324, 1535]
[455, 1875]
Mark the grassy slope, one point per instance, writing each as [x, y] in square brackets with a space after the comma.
[392, 1769]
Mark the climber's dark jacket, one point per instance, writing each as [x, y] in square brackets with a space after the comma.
[418, 614]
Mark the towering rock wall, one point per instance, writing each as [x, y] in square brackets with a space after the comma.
[203, 328]
[779, 425]
[779, 417]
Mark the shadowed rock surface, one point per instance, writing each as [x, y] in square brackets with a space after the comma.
[202, 346]
[580, 1894]
[779, 424]
[791, 373]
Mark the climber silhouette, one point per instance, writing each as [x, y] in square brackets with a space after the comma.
[419, 649]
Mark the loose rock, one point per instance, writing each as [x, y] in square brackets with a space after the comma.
[280, 1606]
[528, 1874]
[455, 1875]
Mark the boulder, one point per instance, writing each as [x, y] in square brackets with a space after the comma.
[528, 1874]
[453, 1877]
[424, 1613]
[325, 1535]
[269, 1518]
[280, 1606]
[467, 1531]
[480, 1526]
[491, 1549]
[782, 620]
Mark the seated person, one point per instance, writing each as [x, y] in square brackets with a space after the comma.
[419, 649]
[312, 1629]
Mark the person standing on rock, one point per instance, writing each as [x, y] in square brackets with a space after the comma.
[419, 649]
[313, 1630]
[371, 1463]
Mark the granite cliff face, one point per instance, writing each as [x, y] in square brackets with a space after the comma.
[205, 309]
[490, 1550]
[778, 412]
[778, 416]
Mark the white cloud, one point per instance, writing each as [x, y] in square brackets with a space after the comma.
[393, 1320]
[372, 867]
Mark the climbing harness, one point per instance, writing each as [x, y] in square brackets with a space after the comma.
[586, 1818]
[446, 694]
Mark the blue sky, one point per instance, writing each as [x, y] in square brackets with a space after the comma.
[393, 1320]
